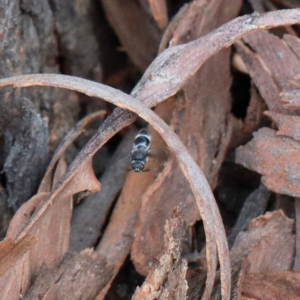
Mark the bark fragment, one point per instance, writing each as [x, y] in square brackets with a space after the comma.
[135, 28]
[26, 146]
[274, 158]
[167, 281]
[88, 218]
[296, 266]
[266, 248]
[52, 234]
[288, 126]
[206, 139]
[79, 276]
[253, 207]
[279, 285]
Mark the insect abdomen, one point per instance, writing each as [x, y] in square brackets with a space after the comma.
[140, 150]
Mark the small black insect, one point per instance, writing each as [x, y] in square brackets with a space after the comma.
[140, 150]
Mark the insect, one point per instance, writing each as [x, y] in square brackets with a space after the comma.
[140, 150]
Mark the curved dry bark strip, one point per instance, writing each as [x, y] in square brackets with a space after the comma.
[89, 217]
[174, 66]
[156, 86]
[201, 189]
[72, 135]
[194, 119]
